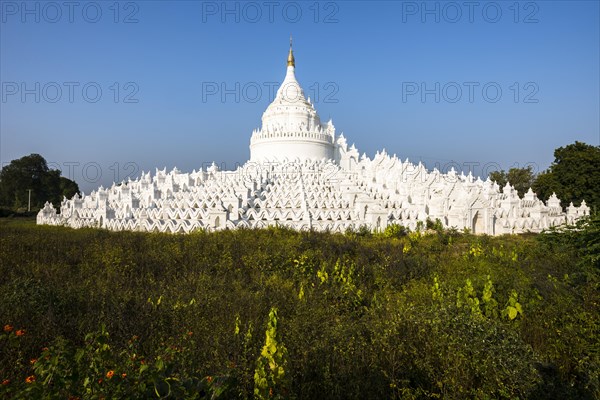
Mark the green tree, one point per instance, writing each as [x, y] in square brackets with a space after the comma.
[574, 176]
[32, 172]
[521, 178]
[68, 188]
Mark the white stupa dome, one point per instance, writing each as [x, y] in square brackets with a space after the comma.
[291, 128]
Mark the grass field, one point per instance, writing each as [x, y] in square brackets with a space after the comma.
[282, 314]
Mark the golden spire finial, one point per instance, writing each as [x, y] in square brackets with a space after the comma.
[290, 61]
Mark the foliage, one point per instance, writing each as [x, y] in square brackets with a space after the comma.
[395, 231]
[269, 376]
[521, 178]
[574, 176]
[95, 371]
[434, 225]
[585, 235]
[432, 314]
[32, 172]
[513, 307]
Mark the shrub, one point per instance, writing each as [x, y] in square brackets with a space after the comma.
[440, 315]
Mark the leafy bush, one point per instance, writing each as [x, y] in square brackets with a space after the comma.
[427, 314]
[395, 231]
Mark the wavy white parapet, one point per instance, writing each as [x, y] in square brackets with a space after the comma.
[304, 195]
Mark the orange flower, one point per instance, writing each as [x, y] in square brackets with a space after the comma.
[110, 374]
[33, 361]
[20, 332]
[30, 379]
[6, 381]
[190, 333]
[44, 349]
[271, 392]
[123, 375]
[8, 328]
[100, 380]
[209, 379]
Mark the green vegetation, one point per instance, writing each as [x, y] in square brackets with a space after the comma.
[574, 176]
[521, 178]
[274, 313]
[32, 173]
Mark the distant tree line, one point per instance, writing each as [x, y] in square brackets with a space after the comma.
[574, 176]
[32, 173]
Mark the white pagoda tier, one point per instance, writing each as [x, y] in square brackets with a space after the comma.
[301, 175]
[291, 128]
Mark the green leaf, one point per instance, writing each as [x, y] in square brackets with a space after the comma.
[519, 308]
[79, 355]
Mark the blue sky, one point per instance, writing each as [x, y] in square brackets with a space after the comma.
[494, 84]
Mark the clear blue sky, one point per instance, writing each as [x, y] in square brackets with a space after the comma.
[366, 62]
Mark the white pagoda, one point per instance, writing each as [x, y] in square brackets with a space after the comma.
[303, 176]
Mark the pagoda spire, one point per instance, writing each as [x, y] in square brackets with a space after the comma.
[291, 62]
